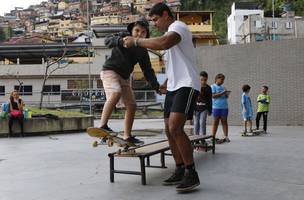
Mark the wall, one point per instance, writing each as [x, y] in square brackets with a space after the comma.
[277, 64]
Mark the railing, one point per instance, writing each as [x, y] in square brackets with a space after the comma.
[78, 96]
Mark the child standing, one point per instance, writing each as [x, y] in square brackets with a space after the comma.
[247, 111]
[220, 106]
[203, 106]
[116, 73]
[263, 108]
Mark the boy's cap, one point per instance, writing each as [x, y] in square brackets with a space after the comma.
[142, 22]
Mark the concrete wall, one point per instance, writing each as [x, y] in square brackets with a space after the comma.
[277, 64]
[44, 125]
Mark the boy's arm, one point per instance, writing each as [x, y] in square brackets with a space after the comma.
[219, 94]
[114, 40]
[148, 71]
[268, 99]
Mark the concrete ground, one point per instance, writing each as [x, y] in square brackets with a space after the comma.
[66, 167]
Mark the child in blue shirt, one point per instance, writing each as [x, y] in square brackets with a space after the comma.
[247, 111]
[220, 106]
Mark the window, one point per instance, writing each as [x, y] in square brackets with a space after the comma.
[25, 90]
[274, 25]
[288, 25]
[51, 90]
[2, 90]
[258, 24]
[79, 84]
[99, 83]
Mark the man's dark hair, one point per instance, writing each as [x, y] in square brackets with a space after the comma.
[266, 87]
[204, 74]
[246, 88]
[159, 8]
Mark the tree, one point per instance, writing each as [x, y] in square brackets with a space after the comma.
[54, 64]
[17, 78]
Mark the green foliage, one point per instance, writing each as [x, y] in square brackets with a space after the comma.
[2, 35]
[154, 32]
[57, 112]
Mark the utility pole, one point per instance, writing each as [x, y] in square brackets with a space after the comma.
[89, 56]
[273, 23]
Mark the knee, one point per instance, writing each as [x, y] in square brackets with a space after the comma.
[131, 107]
[174, 129]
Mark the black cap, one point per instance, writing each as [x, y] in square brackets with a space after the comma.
[142, 22]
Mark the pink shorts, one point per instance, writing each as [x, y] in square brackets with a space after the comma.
[113, 82]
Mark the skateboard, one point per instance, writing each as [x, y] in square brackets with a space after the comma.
[219, 141]
[253, 133]
[203, 146]
[110, 138]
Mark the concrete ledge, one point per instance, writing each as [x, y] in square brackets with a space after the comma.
[46, 125]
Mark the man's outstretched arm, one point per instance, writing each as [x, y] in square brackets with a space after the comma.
[158, 43]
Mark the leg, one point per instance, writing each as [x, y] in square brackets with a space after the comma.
[224, 125]
[108, 107]
[257, 121]
[265, 114]
[128, 100]
[196, 122]
[112, 87]
[20, 120]
[10, 125]
[250, 125]
[245, 124]
[176, 130]
[173, 146]
[204, 115]
[129, 119]
[215, 124]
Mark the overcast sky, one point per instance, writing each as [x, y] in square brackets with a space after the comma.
[7, 5]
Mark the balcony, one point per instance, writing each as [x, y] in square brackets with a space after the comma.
[199, 28]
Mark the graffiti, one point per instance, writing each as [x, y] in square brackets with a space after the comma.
[83, 95]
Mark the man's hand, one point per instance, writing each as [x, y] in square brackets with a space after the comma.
[163, 89]
[128, 42]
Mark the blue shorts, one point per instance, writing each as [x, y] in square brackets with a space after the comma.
[220, 112]
[247, 116]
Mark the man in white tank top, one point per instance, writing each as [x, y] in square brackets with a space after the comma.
[181, 87]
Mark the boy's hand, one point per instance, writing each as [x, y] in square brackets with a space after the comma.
[128, 42]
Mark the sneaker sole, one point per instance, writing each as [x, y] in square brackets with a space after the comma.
[188, 189]
[172, 183]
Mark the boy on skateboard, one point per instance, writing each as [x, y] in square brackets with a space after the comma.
[247, 111]
[182, 85]
[115, 75]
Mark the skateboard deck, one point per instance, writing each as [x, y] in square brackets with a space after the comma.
[204, 146]
[254, 133]
[220, 141]
[110, 138]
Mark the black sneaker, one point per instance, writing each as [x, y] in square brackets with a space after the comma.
[189, 182]
[106, 128]
[134, 140]
[176, 177]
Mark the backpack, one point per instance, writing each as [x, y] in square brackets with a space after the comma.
[5, 107]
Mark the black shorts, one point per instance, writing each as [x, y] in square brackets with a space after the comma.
[181, 101]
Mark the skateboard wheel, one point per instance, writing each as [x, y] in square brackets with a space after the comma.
[119, 151]
[110, 143]
[95, 144]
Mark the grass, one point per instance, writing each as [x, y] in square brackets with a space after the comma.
[57, 112]
[119, 114]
